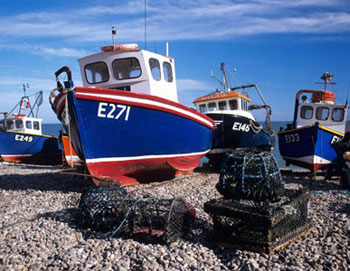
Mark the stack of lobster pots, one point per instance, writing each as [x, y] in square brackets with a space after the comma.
[256, 212]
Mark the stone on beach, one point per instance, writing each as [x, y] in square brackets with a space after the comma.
[38, 229]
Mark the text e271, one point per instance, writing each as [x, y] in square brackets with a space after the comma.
[113, 111]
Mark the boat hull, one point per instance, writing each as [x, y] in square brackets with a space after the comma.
[29, 148]
[234, 131]
[308, 147]
[125, 136]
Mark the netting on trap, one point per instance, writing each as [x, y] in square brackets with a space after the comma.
[146, 218]
[101, 208]
[250, 174]
[259, 227]
[161, 220]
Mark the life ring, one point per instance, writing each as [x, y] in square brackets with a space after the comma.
[27, 104]
[120, 47]
[322, 96]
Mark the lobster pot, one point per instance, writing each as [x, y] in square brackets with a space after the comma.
[262, 227]
[102, 208]
[161, 220]
[250, 174]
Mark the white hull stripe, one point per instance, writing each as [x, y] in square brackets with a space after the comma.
[215, 151]
[311, 159]
[148, 102]
[73, 158]
[142, 157]
[11, 155]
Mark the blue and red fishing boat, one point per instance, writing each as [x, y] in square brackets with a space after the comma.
[125, 123]
[318, 123]
[21, 137]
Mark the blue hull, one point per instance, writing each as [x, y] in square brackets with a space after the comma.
[121, 134]
[29, 148]
[308, 147]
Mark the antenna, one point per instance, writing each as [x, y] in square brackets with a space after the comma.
[25, 89]
[326, 77]
[114, 33]
[226, 83]
[145, 16]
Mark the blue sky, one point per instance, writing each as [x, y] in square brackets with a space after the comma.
[282, 45]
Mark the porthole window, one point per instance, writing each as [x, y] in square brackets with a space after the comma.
[155, 68]
[126, 68]
[306, 112]
[322, 113]
[168, 72]
[338, 114]
[96, 72]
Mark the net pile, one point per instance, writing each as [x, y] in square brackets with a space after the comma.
[256, 212]
[146, 218]
[251, 175]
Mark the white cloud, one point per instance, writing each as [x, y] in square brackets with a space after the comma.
[43, 50]
[187, 19]
[190, 84]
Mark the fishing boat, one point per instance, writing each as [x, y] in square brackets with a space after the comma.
[235, 125]
[318, 123]
[21, 137]
[125, 123]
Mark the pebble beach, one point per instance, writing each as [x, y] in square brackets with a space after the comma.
[38, 230]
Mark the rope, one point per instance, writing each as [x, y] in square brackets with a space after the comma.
[129, 210]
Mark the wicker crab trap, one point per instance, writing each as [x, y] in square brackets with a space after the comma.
[147, 218]
[256, 212]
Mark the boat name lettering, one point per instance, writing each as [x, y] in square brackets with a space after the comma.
[292, 138]
[23, 138]
[111, 111]
[335, 139]
[238, 126]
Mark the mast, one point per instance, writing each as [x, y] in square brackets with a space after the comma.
[226, 83]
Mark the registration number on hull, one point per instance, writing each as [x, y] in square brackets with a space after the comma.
[113, 111]
[23, 138]
[292, 138]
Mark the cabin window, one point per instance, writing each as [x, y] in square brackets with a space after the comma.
[233, 104]
[244, 105]
[96, 72]
[322, 113]
[28, 124]
[36, 125]
[155, 68]
[338, 114]
[211, 106]
[10, 124]
[223, 105]
[126, 68]
[306, 112]
[19, 124]
[168, 72]
[202, 108]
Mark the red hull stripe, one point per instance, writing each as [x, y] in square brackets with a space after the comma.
[142, 157]
[145, 101]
